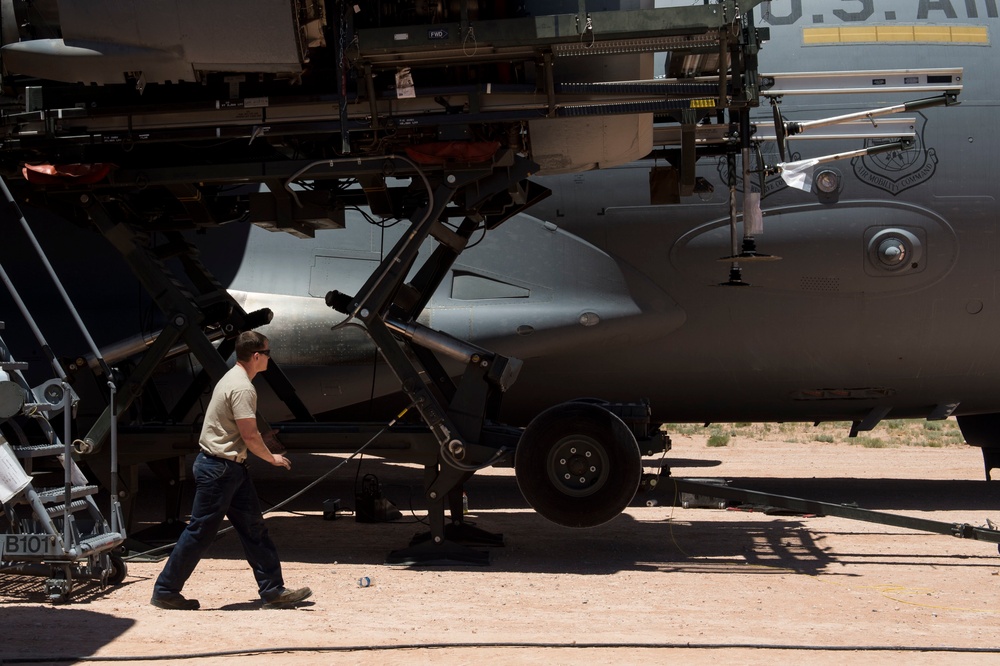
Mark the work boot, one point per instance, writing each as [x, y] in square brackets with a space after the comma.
[287, 598]
[175, 602]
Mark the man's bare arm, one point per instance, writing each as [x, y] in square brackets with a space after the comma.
[255, 443]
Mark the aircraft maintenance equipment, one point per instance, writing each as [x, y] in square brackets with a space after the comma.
[465, 109]
[48, 539]
[426, 112]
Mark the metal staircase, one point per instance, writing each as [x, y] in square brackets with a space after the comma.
[55, 532]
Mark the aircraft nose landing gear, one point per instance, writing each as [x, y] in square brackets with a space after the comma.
[578, 464]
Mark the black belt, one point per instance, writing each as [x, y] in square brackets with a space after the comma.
[223, 458]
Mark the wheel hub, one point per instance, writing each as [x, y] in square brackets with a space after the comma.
[578, 466]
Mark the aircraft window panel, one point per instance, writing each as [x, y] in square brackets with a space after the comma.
[469, 287]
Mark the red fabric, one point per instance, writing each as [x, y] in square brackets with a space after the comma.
[440, 152]
[65, 174]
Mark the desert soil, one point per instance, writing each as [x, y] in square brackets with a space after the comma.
[658, 583]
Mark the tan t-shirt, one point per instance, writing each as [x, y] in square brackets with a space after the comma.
[234, 398]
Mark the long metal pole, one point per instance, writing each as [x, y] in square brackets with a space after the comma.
[960, 530]
[55, 279]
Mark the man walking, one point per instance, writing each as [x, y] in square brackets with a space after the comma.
[224, 487]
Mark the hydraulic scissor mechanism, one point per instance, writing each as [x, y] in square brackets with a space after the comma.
[459, 415]
[577, 464]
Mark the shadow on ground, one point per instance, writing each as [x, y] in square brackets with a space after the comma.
[70, 632]
[628, 542]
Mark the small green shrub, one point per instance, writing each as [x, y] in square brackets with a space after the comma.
[688, 429]
[718, 440]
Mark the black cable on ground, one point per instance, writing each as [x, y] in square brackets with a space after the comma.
[509, 644]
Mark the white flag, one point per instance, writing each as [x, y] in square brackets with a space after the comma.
[799, 174]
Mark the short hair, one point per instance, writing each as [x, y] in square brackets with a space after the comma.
[247, 343]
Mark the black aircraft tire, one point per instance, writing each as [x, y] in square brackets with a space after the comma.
[578, 465]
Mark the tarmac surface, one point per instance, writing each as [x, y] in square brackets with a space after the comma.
[657, 583]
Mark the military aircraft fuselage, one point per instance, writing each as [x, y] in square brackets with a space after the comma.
[834, 329]
[743, 258]
[604, 293]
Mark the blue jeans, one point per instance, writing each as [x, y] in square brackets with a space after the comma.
[223, 489]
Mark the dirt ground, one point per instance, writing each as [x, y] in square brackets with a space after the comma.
[657, 583]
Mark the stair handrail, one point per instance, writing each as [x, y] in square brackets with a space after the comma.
[112, 388]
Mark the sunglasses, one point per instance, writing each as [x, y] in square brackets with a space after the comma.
[265, 352]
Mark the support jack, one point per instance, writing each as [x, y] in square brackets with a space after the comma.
[749, 252]
[464, 534]
[438, 553]
[735, 277]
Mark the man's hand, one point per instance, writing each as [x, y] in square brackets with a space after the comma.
[279, 460]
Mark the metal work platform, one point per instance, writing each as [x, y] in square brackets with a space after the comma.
[379, 86]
